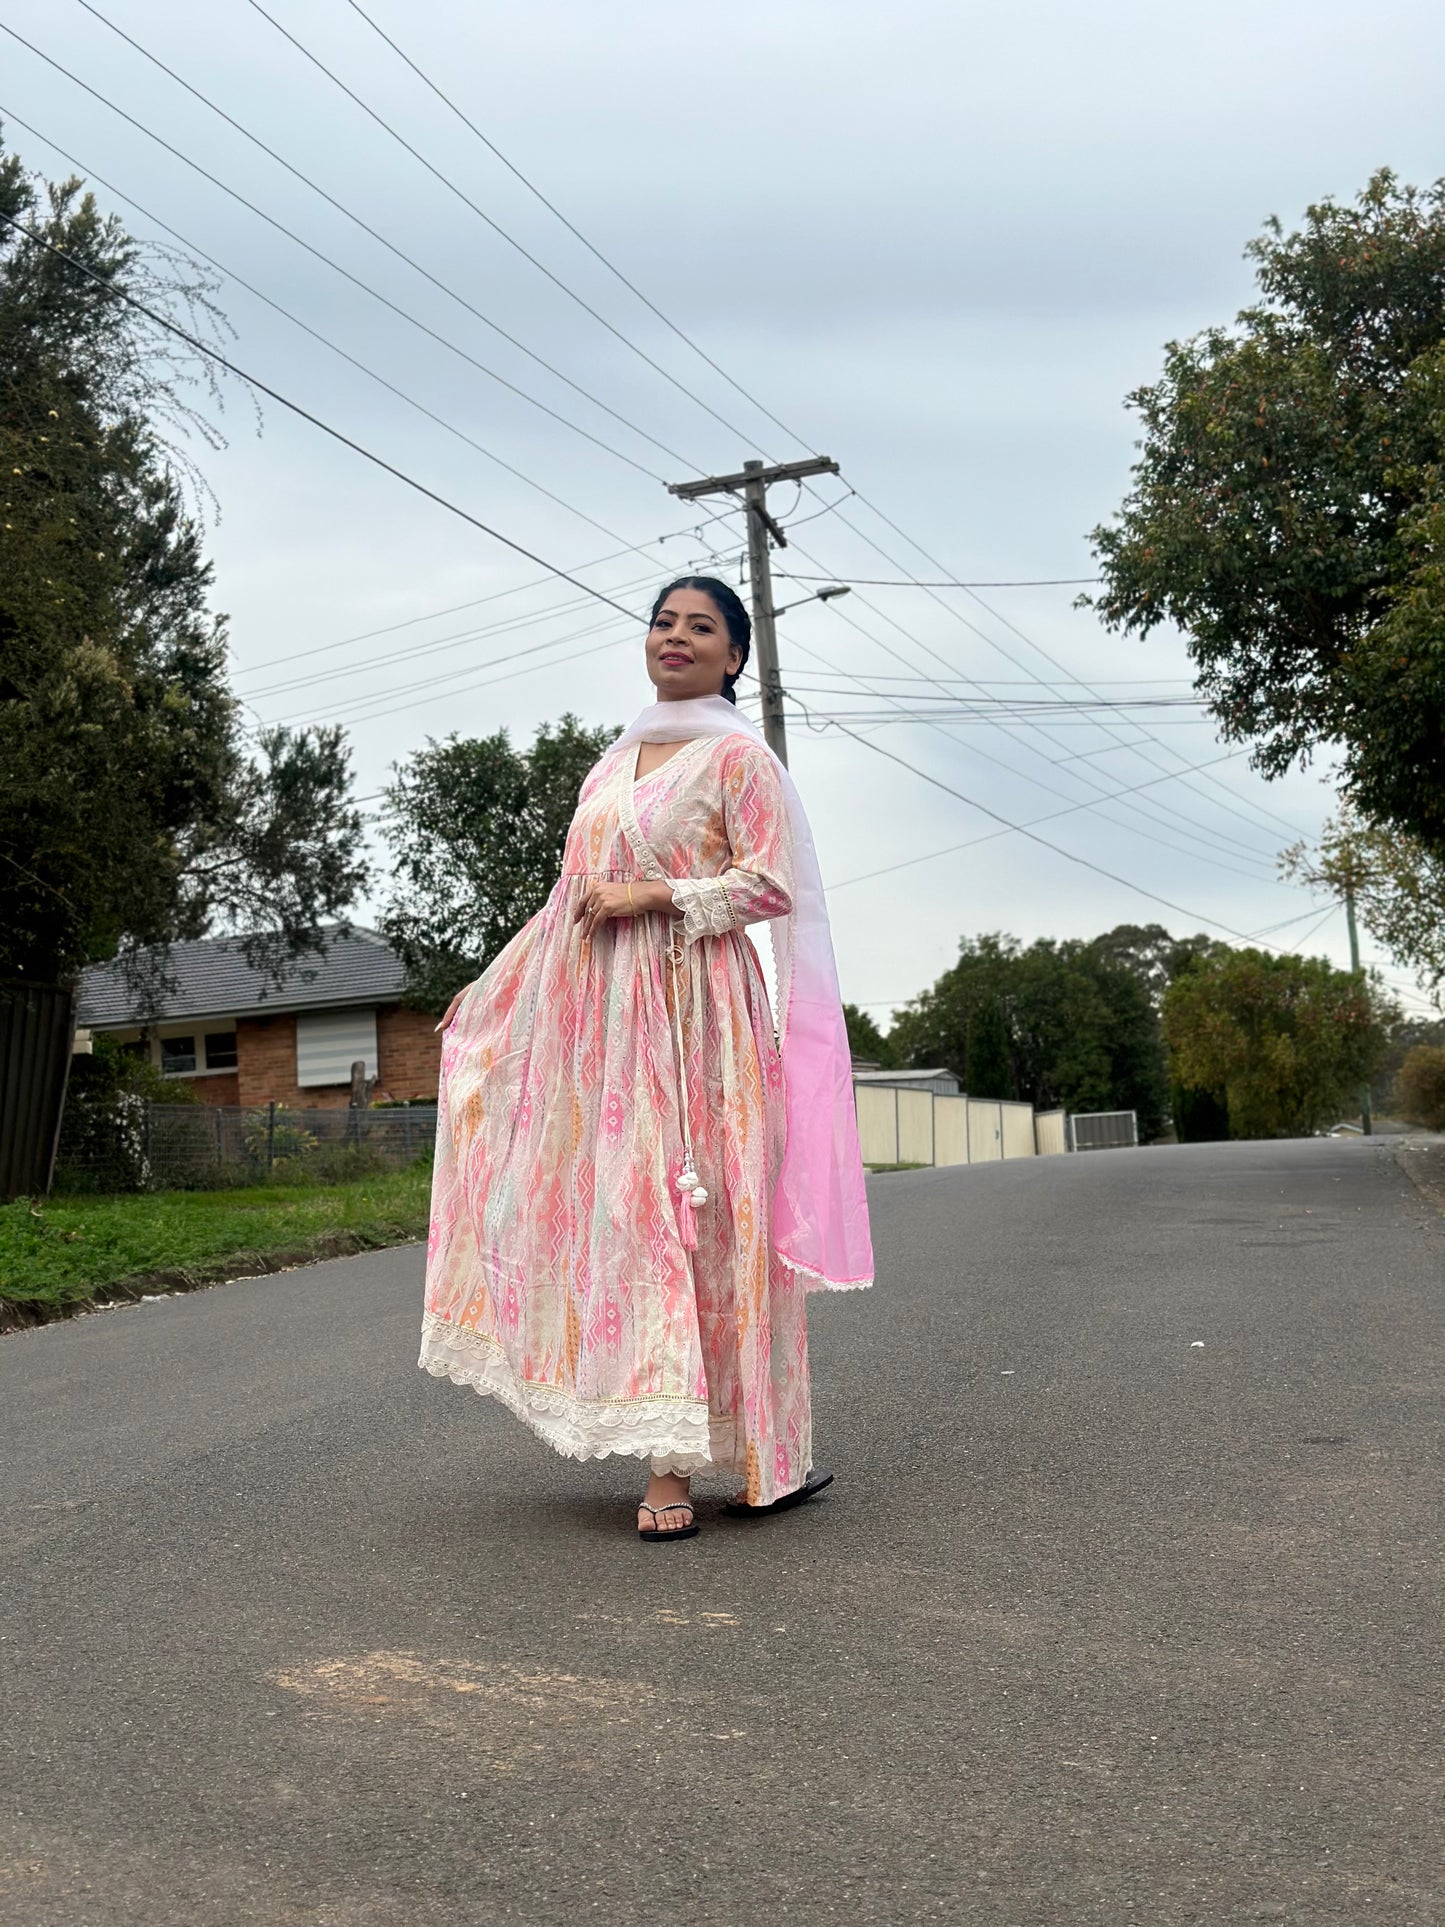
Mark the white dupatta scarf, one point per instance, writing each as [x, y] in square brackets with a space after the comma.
[820, 1208]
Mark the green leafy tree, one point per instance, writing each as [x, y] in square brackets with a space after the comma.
[1287, 510]
[865, 1040]
[1398, 884]
[1152, 954]
[1051, 1024]
[133, 809]
[1404, 1036]
[989, 1069]
[476, 831]
[1420, 1087]
[1282, 1042]
[935, 1028]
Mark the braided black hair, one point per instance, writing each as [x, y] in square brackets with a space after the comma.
[735, 617]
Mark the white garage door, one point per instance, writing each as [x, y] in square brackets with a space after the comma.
[328, 1043]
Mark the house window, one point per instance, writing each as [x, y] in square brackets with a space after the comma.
[178, 1054]
[220, 1050]
[328, 1043]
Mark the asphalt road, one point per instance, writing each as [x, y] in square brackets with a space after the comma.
[1126, 1607]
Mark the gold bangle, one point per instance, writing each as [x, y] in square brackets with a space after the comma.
[630, 904]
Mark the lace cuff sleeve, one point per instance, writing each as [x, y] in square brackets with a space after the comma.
[707, 908]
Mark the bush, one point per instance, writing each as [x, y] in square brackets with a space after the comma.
[1420, 1087]
[103, 1130]
[1404, 1036]
[1282, 1043]
[282, 1142]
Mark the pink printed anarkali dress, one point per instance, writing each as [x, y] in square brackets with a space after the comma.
[557, 1275]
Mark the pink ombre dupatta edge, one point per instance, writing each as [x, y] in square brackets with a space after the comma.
[820, 1207]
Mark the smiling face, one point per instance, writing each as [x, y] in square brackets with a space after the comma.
[688, 652]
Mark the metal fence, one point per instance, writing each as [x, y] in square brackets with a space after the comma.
[1051, 1132]
[901, 1124]
[1103, 1130]
[127, 1144]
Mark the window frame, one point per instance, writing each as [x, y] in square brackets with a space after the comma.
[182, 1070]
[232, 1059]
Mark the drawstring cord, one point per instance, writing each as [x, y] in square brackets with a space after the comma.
[690, 1191]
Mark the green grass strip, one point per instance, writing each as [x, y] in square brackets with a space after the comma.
[60, 1255]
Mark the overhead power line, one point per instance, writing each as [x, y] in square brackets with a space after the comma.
[482, 215]
[1314, 929]
[388, 706]
[413, 655]
[1094, 803]
[1190, 823]
[990, 836]
[1152, 834]
[897, 1003]
[351, 667]
[508, 625]
[912, 705]
[1027, 640]
[910, 582]
[1025, 682]
[412, 622]
[652, 306]
[402, 476]
[946, 582]
[356, 280]
[517, 172]
[372, 374]
[365, 225]
[453, 683]
[448, 685]
[306, 179]
[990, 714]
[610, 265]
[336, 434]
[1033, 836]
[1127, 743]
[437, 685]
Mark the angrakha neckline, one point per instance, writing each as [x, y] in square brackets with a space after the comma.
[678, 755]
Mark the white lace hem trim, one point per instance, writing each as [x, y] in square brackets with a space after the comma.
[676, 1429]
[815, 1281]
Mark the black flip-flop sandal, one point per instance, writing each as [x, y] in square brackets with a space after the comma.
[809, 1489]
[689, 1531]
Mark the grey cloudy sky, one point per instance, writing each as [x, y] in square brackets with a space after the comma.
[941, 243]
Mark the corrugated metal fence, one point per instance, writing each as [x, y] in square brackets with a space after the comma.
[902, 1125]
[36, 1028]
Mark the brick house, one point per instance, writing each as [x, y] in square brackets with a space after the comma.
[236, 1039]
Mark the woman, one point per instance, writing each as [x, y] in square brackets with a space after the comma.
[636, 1180]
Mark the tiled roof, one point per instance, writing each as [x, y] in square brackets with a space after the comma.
[213, 979]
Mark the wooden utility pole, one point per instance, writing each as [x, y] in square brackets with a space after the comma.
[752, 482]
[1367, 1124]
